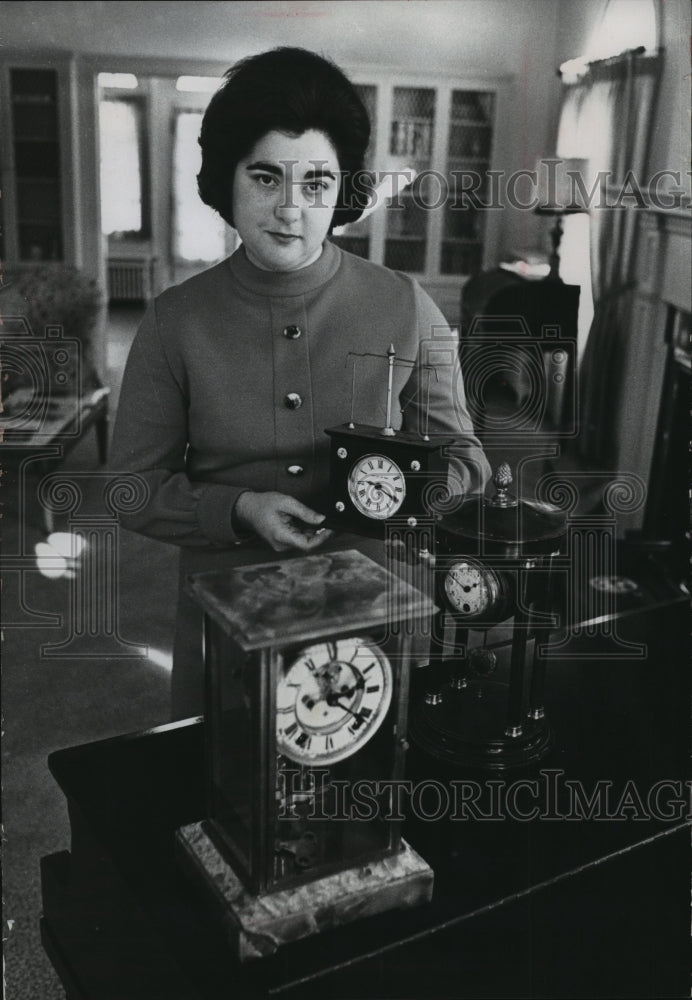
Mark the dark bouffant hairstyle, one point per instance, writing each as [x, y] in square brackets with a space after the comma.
[286, 90]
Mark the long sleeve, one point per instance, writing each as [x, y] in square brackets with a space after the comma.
[151, 439]
[433, 401]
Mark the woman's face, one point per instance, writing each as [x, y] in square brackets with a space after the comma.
[284, 195]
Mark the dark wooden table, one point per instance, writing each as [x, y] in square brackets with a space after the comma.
[541, 907]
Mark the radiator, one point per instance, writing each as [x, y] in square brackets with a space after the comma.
[129, 280]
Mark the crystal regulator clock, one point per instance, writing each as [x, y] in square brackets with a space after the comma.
[307, 676]
[377, 474]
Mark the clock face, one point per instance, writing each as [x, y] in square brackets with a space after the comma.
[376, 486]
[470, 588]
[331, 699]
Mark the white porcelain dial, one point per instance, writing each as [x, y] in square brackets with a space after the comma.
[331, 699]
[376, 486]
[471, 588]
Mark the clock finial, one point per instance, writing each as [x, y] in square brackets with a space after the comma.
[502, 480]
[503, 476]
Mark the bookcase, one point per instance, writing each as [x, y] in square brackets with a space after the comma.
[36, 203]
[438, 229]
[35, 139]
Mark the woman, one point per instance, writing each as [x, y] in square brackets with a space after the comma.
[234, 374]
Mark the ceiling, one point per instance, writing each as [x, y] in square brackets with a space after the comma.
[464, 37]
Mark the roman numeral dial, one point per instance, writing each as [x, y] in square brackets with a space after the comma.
[376, 486]
[331, 699]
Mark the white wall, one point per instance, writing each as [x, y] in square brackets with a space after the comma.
[459, 37]
[670, 147]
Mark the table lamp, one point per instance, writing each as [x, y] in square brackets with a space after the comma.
[558, 193]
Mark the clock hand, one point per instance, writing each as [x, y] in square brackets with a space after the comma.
[333, 702]
[347, 692]
[380, 487]
[328, 691]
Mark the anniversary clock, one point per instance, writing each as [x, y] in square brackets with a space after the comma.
[378, 473]
[307, 674]
[482, 704]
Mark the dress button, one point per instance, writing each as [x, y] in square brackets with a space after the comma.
[292, 332]
[295, 470]
[292, 401]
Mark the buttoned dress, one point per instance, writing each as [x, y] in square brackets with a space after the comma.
[231, 380]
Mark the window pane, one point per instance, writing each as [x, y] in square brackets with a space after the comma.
[121, 167]
[199, 233]
[198, 84]
[625, 25]
[125, 81]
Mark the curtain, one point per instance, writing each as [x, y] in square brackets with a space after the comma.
[606, 117]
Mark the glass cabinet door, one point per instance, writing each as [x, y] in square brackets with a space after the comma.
[445, 134]
[411, 140]
[469, 150]
[37, 165]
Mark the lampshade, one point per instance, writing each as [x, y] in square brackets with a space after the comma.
[561, 185]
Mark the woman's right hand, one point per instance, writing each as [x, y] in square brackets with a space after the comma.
[281, 520]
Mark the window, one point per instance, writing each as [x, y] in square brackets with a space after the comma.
[590, 127]
[624, 26]
[119, 81]
[198, 84]
[199, 234]
[124, 210]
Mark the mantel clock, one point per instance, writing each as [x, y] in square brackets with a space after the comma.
[377, 474]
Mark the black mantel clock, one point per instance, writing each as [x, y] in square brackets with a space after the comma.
[377, 474]
[307, 674]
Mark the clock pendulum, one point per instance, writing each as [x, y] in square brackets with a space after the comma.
[307, 675]
[483, 706]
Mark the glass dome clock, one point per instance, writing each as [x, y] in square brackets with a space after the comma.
[483, 705]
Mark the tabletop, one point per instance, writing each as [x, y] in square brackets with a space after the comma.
[569, 878]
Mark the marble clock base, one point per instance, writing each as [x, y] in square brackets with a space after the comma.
[258, 925]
